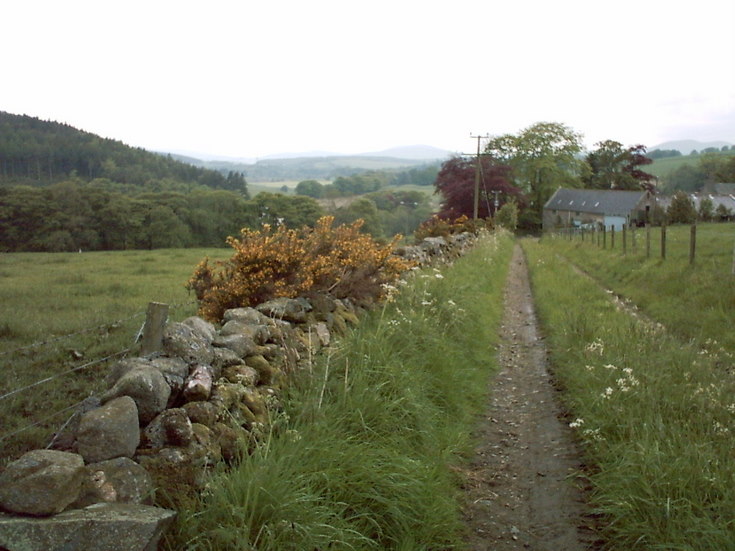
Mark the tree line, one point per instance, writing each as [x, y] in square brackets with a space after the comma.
[37, 152]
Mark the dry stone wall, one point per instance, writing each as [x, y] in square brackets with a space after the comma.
[203, 398]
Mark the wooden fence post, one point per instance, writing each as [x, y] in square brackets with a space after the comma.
[692, 243]
[604, 236]
[663, 241]
[632, 238]
[625, 239]
[648, 240]
[155, 321]
[612, 237]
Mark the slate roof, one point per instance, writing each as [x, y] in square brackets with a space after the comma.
[595, 201]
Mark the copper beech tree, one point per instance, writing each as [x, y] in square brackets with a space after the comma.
[456, 184]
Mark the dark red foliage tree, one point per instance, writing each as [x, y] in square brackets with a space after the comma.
[456, 184]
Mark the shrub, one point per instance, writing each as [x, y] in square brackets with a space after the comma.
[271, 263]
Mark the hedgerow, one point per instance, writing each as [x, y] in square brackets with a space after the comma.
[281, 262]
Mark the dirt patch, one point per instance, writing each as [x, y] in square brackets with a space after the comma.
[522, 490]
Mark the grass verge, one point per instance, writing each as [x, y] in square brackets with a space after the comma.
[359, 455]
[655, 413]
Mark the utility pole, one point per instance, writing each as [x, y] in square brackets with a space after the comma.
[477, 176]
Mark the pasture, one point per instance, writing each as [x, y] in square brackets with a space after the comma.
[66, 310]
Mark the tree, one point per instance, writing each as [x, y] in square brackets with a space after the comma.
[681, 210]
[613, 166]
[507, 216]
[361, 209]
[543, 157]
[706, 210]
[685, 178]
[310, 188]
[456, 184]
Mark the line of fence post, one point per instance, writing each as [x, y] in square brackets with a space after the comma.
[663, 241]
[692, 243]
[155, 321]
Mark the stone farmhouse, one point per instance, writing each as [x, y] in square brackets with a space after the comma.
[588, 208]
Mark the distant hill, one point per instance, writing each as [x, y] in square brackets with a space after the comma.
[316, 168]
[38, 152]
[687, 146]
[425, 152]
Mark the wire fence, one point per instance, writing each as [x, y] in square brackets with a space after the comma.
[629, 239]
[25, 401]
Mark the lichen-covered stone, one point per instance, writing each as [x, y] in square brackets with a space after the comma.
[204, 413]
[201, 328]
[41, 482]
[198, 386]
[242, 374]
[288, 309]
[120, 480]
[174, 371]
[245, 315]
[182, 341]
[147, 386]
[242, 345]
[110, 431]
[171, 428]
[258, 333]
[99, 527]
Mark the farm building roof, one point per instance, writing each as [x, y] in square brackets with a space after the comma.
[595, 201]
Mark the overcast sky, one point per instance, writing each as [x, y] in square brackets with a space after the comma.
[250, 78]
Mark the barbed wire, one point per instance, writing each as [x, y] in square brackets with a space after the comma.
[63, 373]
[53, 340]
[108, 325]
[40, 422]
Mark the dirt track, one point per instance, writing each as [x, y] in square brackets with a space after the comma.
[521, 488]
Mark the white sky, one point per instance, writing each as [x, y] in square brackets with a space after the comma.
[254, 77]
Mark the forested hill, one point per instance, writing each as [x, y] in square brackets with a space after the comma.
[37, 152]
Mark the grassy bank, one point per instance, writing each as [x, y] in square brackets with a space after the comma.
[62, 311]
[359, 456]
[654, 410]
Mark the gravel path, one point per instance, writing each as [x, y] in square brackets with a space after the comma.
[521, 486]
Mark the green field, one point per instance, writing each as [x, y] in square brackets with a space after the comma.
[65, 310]
[663, 167]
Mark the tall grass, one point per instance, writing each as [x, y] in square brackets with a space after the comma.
[359, 456]
[655, 412]
[99, 298]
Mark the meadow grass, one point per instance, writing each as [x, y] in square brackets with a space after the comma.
[692, 301]
[655, 412]
[359, 454]
[65, 310]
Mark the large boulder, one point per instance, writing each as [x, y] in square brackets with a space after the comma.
[182, 341]
[100, 527]
[41, 482]
[119, 480]
[147, 386]
[109, 431]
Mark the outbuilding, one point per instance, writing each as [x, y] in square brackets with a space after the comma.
[587, 208]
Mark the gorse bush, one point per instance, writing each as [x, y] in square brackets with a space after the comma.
[281, 262]
[443, 227]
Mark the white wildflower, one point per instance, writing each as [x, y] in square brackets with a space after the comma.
[577, 423]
